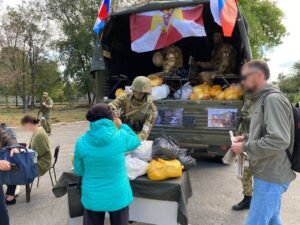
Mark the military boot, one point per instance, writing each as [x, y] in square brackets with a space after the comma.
[244, 204]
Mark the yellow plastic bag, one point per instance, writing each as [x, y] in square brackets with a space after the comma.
[164, 169]
[120, 92]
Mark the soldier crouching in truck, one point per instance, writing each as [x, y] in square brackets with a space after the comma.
[137, 108]
[223, 60]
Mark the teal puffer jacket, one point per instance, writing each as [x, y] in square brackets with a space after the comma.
[100, 160]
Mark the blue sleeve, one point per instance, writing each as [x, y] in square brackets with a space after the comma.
[131, 139]
[78, 164]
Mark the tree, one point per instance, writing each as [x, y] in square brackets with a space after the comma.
[265, 25]
[24, 38]
[37, 35]
[76, 18]
[290, 84]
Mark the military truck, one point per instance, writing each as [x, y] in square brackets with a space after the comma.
[190, 122]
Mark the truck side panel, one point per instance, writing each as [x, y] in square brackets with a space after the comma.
[194, 132]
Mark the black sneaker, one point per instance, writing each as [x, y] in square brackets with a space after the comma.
[11, 202]
[244, 204]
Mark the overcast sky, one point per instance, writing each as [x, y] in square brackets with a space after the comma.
[282, 57]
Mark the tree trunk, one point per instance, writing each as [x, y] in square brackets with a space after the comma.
[89, 96]
[32, 89]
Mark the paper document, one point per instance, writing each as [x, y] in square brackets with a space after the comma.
[230, 158]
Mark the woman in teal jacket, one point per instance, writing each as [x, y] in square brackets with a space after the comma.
[100, 160]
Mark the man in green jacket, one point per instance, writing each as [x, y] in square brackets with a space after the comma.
[271, 134]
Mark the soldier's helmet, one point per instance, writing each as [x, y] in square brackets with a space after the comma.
[141, 84]
[45, 94]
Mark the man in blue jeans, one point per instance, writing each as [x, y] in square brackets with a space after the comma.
[4, 166]
[271, 134]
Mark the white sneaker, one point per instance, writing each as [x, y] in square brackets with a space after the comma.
[18, 191]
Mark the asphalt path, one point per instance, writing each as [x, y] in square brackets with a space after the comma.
[215, 189]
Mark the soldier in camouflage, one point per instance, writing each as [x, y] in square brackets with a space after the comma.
[223, 60]
[137, 109]
[247, 175]
[45, 110]
[170, 59]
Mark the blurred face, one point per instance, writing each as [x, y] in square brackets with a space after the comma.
[29, 127]
[252, 79]
[138, 95]
[218, 38]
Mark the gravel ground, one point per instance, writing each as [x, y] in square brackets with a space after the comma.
[214, 185]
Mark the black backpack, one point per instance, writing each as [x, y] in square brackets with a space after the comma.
[295, 156]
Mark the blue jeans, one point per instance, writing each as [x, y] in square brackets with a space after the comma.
[3, 209]
[266, 203]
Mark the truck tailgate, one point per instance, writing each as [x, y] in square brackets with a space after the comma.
[196, 124]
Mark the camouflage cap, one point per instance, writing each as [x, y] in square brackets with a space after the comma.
[141, 84]
[45, 94]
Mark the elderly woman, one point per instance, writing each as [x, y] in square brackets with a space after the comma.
[100, 160]
[8, 138]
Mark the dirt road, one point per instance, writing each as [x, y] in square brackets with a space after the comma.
[215, 189]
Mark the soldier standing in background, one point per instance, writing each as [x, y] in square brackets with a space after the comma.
[46, 109]
[137, 109]
[223, 60]
[247, 175]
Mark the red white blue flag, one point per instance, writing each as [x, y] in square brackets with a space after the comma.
[102, 16]
[158, 29]
[225, 14]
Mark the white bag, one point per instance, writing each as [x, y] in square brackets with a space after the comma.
[160, 92]
[186, 91]
[144, 151]
[135, 167]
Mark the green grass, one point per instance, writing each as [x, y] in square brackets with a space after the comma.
[13, 116]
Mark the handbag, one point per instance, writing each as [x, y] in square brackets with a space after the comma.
[74, 200]
[26, 170]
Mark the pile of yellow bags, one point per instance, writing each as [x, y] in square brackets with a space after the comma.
[201, 92]
[164, 169]
[156, 80]
[234, 92]
[206, 92]
[120, 92]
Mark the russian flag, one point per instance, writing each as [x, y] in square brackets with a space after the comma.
[225, 14]
[102, 16]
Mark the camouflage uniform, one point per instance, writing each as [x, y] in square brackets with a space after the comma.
[170, 59]
[242, 129]
[139, 114]
[46, 109]
[223, 61]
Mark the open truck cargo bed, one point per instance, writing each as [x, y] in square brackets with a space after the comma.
[193, 132]
[115, 65]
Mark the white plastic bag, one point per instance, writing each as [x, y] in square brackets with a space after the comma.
[135, 167]
[160, 92]
[144, 151]
[186, 91]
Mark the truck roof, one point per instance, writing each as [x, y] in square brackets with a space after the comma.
[157, 5]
